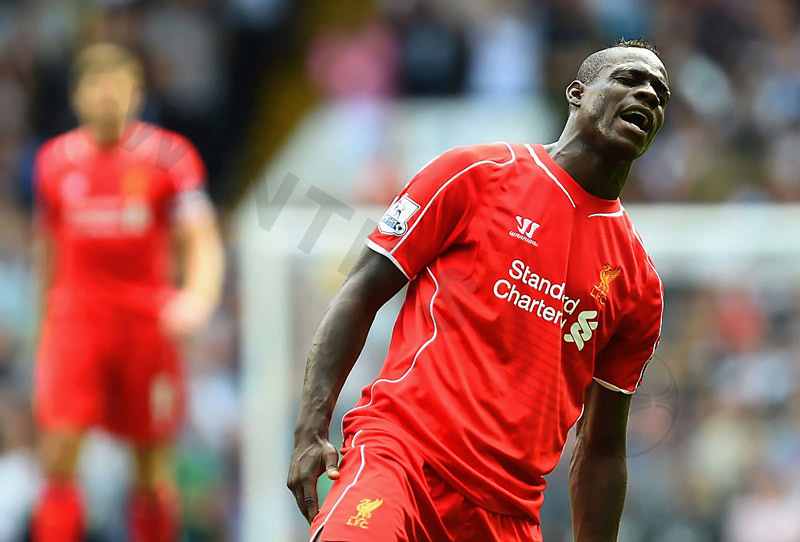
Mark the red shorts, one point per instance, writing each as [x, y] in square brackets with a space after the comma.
[120, 373]
[388, 494]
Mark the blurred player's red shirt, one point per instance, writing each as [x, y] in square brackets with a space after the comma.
[524, 287]
[108, 213]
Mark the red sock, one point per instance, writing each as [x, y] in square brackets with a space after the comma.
[154, 516]
[59, 514]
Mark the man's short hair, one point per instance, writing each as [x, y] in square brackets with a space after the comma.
[105, 57]
[595, 62]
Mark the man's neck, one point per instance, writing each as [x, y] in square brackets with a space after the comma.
[106, 136]
[596, 174]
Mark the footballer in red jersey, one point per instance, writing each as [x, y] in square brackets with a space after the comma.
[110, 196]
[532, 305]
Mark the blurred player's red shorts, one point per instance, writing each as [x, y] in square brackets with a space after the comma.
[118, 372]
[390, 494]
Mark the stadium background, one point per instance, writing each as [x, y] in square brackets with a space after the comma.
[350, 98]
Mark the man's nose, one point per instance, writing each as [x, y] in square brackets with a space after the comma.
[647, 94]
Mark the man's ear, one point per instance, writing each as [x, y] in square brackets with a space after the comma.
[575, 93]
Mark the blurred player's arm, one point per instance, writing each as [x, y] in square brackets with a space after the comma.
[43, 242]
[598, 472]
[203, 267]
[337, 344]
[43, 267]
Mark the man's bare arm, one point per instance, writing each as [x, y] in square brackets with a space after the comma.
[203, 271]
[43, 266]
[334, 350]
[598, 472]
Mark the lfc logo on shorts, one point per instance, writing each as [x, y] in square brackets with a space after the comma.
[607, 274]
[365, 509]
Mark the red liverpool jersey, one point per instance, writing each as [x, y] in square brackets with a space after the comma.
[524, 288]
[108, 213]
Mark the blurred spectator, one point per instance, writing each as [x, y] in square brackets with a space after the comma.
[433, 52]
[19, 473]
[355, 64]
[767, 512]
[505, 48]
[783, 166]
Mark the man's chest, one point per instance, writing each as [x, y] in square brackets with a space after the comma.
[552, 267]
[106, 198]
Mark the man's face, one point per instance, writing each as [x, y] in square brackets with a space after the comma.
[107, 98]
[622, 110]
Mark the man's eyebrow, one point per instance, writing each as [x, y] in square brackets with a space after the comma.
[641, 74]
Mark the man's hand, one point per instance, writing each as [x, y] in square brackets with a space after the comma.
[373, 280]
[312, 456]
[185, 314]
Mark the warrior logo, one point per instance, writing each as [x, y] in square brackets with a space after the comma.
[526, 226]
[525, 229]
[365, 509]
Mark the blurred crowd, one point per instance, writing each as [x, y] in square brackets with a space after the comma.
[729, 467]
[733, 123]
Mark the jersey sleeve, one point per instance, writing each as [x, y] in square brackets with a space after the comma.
[188, 178]
[433, 209]
[621, 364]
[187, 173]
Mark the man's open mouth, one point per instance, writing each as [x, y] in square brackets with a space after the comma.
[636, 118]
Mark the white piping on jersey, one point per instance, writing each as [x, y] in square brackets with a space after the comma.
[661, 316]
[413, 363]
[451, 179]
[612, 387]
[341, 497]
[549, 174]
[615, 213]
[380, 250]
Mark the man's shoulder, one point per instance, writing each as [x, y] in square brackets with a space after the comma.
[477, 164]
[163, 147]
[640, 252]
[497, 154]
[62, 147]
[146, 132]
[472, 170]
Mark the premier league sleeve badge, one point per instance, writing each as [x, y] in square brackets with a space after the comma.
[395, 220]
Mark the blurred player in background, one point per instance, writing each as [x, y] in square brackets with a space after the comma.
[531, 303]
[110, 195]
